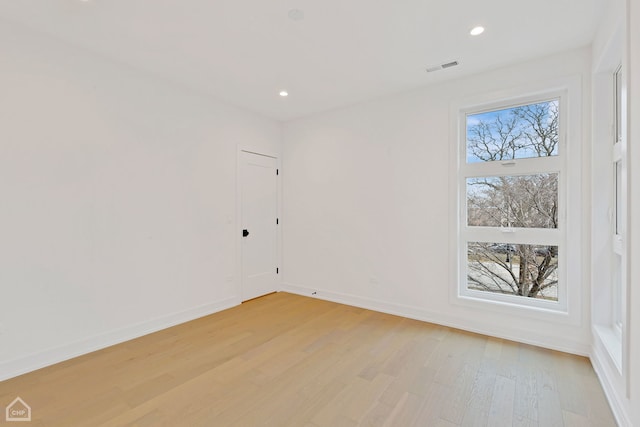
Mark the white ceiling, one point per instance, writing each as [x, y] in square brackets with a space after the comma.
[343, 51]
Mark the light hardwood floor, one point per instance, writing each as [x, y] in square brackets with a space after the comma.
[287, 360]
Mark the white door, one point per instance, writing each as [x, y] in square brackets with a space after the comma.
[259, 217]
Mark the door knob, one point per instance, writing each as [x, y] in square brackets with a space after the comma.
[245, 232]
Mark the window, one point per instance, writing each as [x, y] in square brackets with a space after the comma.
[618, 226]
[511, 185]
[608, 259]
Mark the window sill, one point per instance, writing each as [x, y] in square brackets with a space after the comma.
[612, 342]
[551, 314]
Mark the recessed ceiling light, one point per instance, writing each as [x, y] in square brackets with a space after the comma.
[284, 93]
[476, 31]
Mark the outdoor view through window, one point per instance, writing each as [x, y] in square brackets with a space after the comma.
[512, 198]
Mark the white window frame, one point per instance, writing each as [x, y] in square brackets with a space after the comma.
[610, 337]
[568, 235]
[618, 210]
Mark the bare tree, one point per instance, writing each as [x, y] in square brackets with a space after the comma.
[542, 122]
[500, 139]
[529, 201]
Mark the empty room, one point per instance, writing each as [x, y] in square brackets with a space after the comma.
[319, 214]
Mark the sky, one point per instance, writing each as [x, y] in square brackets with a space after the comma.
[490, 117]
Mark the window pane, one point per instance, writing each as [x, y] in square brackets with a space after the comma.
[513, 133]
[617, 80]
[514, 269]
[618, 196]
[529, 201]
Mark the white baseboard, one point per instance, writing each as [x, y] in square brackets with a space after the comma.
[605, 370]
[59, 354]
[417, 313]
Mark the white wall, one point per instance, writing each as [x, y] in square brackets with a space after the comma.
[366, 205]
[117, 201]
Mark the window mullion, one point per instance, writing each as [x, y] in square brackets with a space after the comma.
[520, 167]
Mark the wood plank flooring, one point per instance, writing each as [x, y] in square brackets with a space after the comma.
[287, 360]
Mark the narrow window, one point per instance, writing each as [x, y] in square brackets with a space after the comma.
[618, 166]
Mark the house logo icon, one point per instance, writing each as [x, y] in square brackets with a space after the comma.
[18, 410]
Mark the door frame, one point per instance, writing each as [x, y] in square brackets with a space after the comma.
[238, 223]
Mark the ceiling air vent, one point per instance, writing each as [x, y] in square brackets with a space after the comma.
[442, 66]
